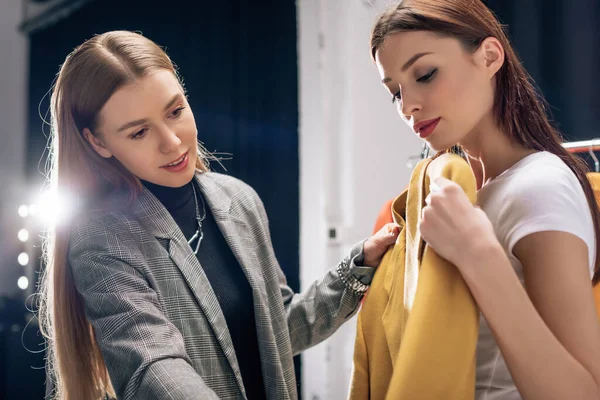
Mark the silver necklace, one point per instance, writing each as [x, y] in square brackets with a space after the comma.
[199, 218]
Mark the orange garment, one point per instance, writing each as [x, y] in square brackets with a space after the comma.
[594, 178]
[384, 217]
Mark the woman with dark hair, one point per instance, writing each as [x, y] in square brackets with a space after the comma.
[529, 251]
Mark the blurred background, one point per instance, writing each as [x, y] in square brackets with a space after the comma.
[286, 89]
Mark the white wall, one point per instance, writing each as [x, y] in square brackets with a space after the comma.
[354, 150]
[13, 89]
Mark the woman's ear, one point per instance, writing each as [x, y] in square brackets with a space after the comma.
[97, 144]
[492, 55]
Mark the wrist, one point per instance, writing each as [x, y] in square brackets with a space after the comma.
[480, 254]
[358, 257]
[370, 254]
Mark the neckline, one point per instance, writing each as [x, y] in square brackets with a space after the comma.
[513, 167]
[172, 197]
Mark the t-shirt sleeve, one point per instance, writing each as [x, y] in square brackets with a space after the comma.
[547, 201]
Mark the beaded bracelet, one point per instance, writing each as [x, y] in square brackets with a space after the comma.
[351, 283]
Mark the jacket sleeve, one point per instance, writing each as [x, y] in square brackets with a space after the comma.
[143, 352]
[317, 312]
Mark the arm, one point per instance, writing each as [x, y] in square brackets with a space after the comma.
[144, 353]
[548, 334]
[317, 312]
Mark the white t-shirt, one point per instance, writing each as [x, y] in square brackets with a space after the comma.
[538, 193]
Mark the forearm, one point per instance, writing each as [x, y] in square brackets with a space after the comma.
[540, 365]
[322, 308]
[318, 312]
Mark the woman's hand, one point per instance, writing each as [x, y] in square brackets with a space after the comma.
[377, 245]
[457, 231]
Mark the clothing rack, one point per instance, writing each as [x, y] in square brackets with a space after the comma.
[583, 146]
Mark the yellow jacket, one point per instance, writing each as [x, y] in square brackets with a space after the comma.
[418, 327]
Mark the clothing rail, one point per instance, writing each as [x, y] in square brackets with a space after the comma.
[582, 146]
[572, 147]
[588, 146]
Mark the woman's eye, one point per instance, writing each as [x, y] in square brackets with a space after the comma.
[139, 134]
[177, 112]
[427, 77]
[396, 97]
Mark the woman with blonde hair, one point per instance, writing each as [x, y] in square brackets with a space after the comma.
[164, 283]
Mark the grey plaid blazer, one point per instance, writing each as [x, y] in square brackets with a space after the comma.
[156, 318]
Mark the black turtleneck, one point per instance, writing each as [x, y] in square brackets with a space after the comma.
[226, 278]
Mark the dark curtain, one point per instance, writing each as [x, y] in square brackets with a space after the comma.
[559, 44]
[239, 63]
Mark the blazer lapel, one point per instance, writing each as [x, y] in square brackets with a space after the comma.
[155, 217]
[401, 280]
[415, 201]
[236, 231]
[235, 225]
[394, 312]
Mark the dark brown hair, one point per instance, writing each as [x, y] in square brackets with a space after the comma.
[518, 107]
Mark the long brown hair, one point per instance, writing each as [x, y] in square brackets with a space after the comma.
[87, 79]
[518, 107]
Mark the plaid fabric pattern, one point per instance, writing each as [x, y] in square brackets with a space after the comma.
[156, 318]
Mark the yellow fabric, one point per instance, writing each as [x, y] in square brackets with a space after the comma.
[418, 327]
[594, 178]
